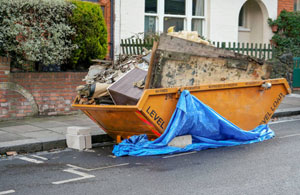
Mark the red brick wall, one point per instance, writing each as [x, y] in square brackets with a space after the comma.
[107, 15]
[13, 105]
[52, 92]
[287, 5]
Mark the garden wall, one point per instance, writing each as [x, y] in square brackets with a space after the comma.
[36, 93]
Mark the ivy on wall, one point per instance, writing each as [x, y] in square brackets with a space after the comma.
[286, 30]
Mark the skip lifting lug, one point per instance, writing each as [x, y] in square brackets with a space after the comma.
[266, 86]
[178, 93]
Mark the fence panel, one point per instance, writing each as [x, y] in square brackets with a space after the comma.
[296, 72]
[262, 51]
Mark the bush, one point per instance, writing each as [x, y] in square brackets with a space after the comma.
[36, 31]
[287, 36]
[91, 34]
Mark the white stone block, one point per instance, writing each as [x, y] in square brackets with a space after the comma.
[76, 141]
[181, 141]
[88, 142]
[75, 130]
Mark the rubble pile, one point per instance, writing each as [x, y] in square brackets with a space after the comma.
[104, 73]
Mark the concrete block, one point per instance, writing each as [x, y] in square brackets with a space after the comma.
[88, 141]
[76, 141]
[181, 141]
[75, 130]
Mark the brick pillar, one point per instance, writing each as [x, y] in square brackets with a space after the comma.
[4, 69]
[287, 5]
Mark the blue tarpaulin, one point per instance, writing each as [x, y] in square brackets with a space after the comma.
[192, 117]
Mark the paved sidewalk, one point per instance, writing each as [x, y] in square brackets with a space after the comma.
[43, 133]
[46, 133]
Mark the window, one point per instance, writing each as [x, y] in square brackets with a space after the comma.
[150, 17]
[175, 7]
[151, 6]
[297, 5]
[183, 14]
[242, 17]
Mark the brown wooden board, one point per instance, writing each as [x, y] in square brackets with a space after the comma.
[123, 91]
[179, 62]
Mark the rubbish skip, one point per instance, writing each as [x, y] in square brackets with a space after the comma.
[245, 104]
[192, 117]
[235, 86]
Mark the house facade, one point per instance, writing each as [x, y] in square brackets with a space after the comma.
[216, 20]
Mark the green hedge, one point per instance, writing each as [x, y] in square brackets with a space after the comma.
[91, 33]
[52, 33]
[36, 31]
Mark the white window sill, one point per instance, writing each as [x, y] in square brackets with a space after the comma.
[243, 29]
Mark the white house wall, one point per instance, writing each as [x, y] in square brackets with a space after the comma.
[223, 18]
[129, 20]
[221, 22]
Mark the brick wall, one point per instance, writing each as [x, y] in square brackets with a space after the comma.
[287, 5]
[52, 92]
[107, 6]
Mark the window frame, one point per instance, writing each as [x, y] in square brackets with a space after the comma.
[296, 5]
[188, 17]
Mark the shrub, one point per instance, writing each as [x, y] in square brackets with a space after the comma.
[36, 31]
[91, 33]
[287, 36]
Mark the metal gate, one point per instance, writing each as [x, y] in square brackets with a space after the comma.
[296, 72]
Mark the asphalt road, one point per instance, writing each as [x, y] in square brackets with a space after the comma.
[270, 167]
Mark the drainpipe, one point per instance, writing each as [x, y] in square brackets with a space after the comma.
[112, 21]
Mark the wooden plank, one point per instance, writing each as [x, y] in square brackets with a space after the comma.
[260, 51]
[247, 48]
[140, 46]
[269, 48]
[255, 50]
[264, 49]
[126, 47]
[150, 68]
[243, 48]
[122, 46]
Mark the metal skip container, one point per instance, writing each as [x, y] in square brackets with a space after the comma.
[246, 104]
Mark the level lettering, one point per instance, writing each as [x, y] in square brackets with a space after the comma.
[275, 104]
[152, 113]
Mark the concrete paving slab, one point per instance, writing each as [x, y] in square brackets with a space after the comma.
[20, 129]
[80, 122]
[6, 137]
[47, 124]
[43, 134]
[10, 123]
[60, 130]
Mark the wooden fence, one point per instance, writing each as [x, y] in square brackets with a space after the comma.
[262, 51]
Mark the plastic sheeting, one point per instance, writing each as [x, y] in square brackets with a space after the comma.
[192, 117]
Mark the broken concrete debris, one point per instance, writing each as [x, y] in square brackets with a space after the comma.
[179, 59]
[104, 73]
[181, 62]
